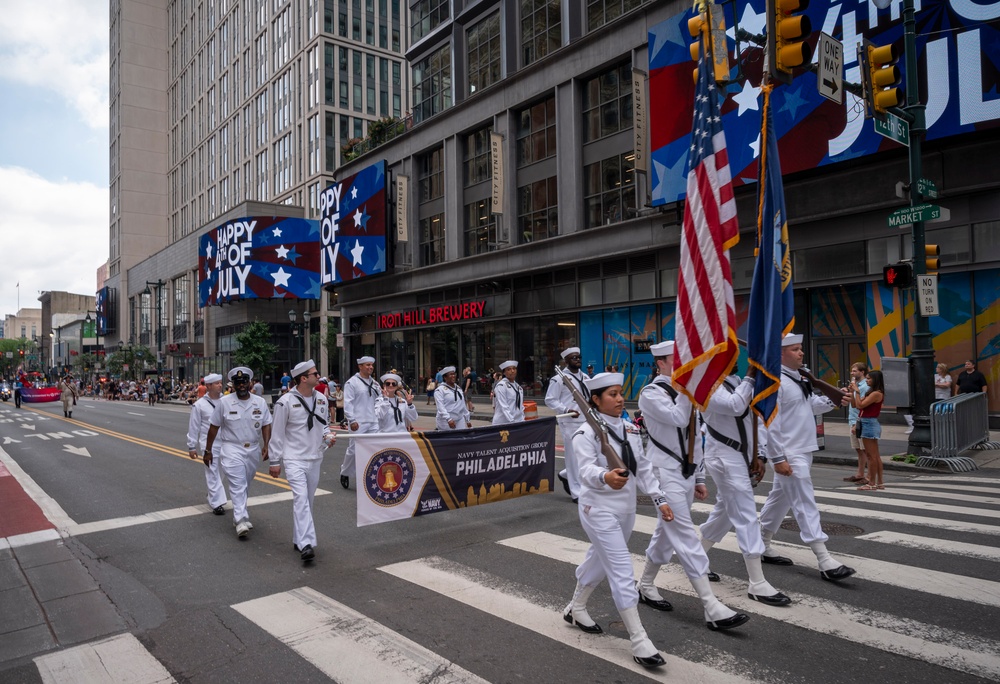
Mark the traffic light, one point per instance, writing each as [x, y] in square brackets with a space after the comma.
[710, 26]
[881, 77]
[898, 275]
[787, 33]
[22, 353]
[931, 252]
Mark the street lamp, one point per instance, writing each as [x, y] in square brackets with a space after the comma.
[300, 329]
[159, 313]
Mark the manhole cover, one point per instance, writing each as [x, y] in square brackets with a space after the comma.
[833, 529]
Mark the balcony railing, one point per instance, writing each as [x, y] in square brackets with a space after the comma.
[379, 133]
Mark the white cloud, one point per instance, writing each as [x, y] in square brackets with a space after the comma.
[61, 46]
[53, 236]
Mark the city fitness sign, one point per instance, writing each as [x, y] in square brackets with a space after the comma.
[432, 315]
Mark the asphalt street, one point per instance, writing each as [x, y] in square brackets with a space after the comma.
[120, 563]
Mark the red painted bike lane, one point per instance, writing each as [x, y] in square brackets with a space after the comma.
[19, 514]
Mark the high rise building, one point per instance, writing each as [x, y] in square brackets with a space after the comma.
[220, 106]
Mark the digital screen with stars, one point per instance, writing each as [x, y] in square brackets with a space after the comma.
[958, 51]
[259, 257]
[353, 226]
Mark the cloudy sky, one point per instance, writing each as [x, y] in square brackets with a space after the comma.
[54, 154]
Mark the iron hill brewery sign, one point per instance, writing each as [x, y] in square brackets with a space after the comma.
[431, 315]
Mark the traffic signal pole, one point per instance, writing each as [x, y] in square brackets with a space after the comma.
[922, 348]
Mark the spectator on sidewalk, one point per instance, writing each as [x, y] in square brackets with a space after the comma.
[870, 406]
[970, 380]
[858, 372]
[942, 382]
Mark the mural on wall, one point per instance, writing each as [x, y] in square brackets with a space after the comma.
[886, 310]
[987, 312]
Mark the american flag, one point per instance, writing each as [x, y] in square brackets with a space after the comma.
[705, 342]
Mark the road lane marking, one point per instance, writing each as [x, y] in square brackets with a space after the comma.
[133, 413]
[950, 496]
[78, 529]
[937, 545]
[121, 658]
[960, 488]
[890, 633]
[495, 597]
[260, 477]
[960, 587]
[344, 644]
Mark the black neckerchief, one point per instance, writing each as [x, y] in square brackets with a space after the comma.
[740, 446]
[627, 453]
[209, 402]
[312, 411]
[517, 393]
[802, 382]
[369, 385]
[457, 392]
[396, 413]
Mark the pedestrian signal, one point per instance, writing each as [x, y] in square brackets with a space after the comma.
[898, 275]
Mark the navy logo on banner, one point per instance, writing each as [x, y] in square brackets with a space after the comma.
[389, 477]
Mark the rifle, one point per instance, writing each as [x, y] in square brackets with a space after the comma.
[834, 394]
[597, 424]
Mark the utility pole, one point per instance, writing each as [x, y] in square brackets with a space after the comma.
[922, 348]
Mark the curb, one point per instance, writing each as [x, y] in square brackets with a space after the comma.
[886, 465]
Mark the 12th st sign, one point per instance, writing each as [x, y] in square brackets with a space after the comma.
[909, 215]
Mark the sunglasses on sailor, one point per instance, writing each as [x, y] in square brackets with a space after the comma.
[390, 383]
[312, 374]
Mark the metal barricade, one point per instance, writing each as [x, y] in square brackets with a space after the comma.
[957, 424]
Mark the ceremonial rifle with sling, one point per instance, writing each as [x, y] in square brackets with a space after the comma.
[834, 394]
[597, 424]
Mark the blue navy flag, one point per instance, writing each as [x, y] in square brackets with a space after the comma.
[772, 308]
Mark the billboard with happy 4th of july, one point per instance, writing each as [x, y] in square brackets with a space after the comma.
[273, 257]
[958, 50]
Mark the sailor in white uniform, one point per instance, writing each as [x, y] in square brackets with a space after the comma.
[242, 423]
[607, 513]
[452, 411]
[393, 413]
[299, 435]
[667, 417]
[559, 398]
[728, 460]
[791, 439]
[508, 396]
[360, 392]
[198, 424]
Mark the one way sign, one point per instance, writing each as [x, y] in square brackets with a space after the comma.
[830, 79]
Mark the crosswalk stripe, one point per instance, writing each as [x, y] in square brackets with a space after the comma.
[120, 659]
[950, 496]
[891, 633]
[881, 499]
[890, 516]
[958, 487]
[480, 591]
[345, 645]
[938, 545]
[934, 582]
[951, 478]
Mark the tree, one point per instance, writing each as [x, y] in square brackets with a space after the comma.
[133, 355]
[255, 350]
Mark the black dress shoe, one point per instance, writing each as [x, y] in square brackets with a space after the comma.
[661, 604]
[776, 560]
[565, 483]
[295, 547]
[655, 660]
[713, 576]
[345, 481]
[576, 501]
[837, 574]
[219, 510]
[728, 623]
[307, 553]
[778, 599]
[592, 629]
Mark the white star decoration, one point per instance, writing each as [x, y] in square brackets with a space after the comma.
[357, 252]
[277, 232]
[208, 251]
[357, 218]
[280, 277]
[354, 193]
[747, 98]
[755, 146]
[282, 252]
